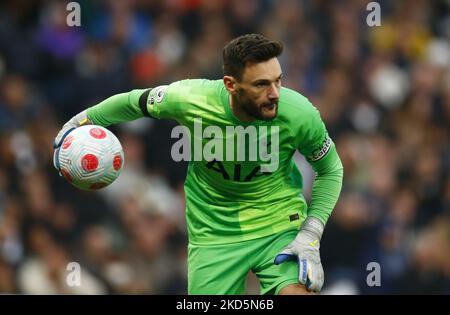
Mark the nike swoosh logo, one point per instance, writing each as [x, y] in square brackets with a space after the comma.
[314, 243]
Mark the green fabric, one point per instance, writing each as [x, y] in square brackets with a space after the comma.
[327, 185]
[222, 269]
[232, 201]
[116, 109]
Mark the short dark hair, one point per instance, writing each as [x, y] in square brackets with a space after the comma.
[248, 48]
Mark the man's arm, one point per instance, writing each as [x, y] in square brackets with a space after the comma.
[120, 108]
[321, 153]
[161, 102]
[115, 109]
[327, 185]
[306, 245]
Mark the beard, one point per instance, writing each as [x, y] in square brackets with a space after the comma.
[266, 111]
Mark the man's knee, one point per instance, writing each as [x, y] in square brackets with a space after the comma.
[295, 289]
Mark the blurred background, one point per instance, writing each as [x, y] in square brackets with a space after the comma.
[383, 92]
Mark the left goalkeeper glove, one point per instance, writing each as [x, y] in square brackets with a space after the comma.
[305, 247]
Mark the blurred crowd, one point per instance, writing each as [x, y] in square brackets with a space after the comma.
[383, 92]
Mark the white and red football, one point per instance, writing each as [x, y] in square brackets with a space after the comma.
[91, 157]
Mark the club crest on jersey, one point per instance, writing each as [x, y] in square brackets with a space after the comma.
[320, 152]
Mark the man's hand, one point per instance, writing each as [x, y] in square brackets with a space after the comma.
[305, 248]
[75, 122]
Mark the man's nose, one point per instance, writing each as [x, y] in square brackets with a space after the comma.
[274, 92]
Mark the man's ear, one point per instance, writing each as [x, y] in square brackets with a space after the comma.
[230, 84]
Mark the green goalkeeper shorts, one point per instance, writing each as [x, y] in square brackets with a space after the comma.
[223, 269]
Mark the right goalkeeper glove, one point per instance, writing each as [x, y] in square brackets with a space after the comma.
[78, 120]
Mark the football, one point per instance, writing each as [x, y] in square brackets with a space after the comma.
[90, 157]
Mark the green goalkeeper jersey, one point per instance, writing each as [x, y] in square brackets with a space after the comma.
[242, 182]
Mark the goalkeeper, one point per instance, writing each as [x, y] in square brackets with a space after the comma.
[243, 215]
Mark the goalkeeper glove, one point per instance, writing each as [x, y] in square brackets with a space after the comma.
[75, 122]
[305, 247]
